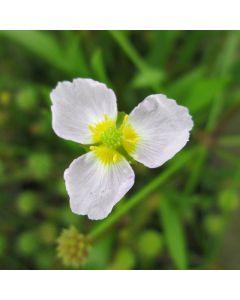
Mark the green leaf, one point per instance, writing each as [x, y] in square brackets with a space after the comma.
[174, 233]
[124, 43]
[124, 259]
[40, 43]
[98, 66]
[100, 253]
[74, 56]
[46, 47]
[184, 84]
[147, 78]
[163, 45]
[204, 92]
[196, 90]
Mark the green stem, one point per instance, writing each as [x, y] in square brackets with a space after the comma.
[230, 141]
[229, 157]
[201, 155]
[139, 196]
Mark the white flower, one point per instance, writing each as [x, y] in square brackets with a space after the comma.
[85, 111]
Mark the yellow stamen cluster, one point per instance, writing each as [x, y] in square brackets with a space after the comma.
[73, 247]
[106, 155]
[111, 139]
[130, 137]
[99, 129]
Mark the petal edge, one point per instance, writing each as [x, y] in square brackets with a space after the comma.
[163, 127]
[94, 188]
[77, 104]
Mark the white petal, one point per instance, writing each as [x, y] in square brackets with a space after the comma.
[95, 188]
[78, 104]
[163, 127]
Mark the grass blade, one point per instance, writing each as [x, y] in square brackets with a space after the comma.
[174, 233]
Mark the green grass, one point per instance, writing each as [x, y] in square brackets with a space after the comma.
[183, 210]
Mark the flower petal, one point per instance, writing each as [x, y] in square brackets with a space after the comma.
[94, 188]
[163, 127]
[78, 104]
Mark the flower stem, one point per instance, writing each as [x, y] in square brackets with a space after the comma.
[178, 163]
[230, 141]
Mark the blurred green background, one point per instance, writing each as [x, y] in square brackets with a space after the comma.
[189, 218]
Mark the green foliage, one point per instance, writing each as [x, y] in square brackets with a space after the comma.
[27, 202]
[46, 47]
[98, 66]
[214, 224]
[3, 245]
[26, 98]
[228, 200]
[47, 232]
[124, 259]
[174, 233]
[27, 243]
[176, 216]
[150, 244]
[40, 165]
[100, 254]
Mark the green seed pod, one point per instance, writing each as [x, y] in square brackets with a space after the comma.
[73, 247]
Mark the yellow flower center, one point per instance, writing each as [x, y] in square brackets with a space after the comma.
[106, 155]
[130, 138]
[100, 128]
[110, 139]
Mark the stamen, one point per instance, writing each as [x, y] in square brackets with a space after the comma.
[107, 155]
[92, 148]
[115, 158]
[125, 118]
[112, 138]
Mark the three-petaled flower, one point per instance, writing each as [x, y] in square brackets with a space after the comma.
[85, 111]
